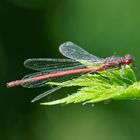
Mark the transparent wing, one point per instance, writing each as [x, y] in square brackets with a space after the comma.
[41, 64]
[56, 88]
[46, 93]
[73, 51]
[44, 82]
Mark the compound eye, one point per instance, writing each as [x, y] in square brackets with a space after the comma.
[127, 61]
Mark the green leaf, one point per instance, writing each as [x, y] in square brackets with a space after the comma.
[107, 85]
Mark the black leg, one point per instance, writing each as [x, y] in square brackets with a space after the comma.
[102, 75]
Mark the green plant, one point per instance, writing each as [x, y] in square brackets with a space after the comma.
[107, 85]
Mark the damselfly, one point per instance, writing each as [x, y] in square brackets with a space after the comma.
[78, 63]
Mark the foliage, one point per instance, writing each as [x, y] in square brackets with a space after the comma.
[107, 85]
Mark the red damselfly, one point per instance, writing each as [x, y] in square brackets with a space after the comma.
[79, 62]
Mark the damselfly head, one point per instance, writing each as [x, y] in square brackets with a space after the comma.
[128, 59]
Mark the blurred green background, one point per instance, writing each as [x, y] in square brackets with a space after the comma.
[36, 28]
